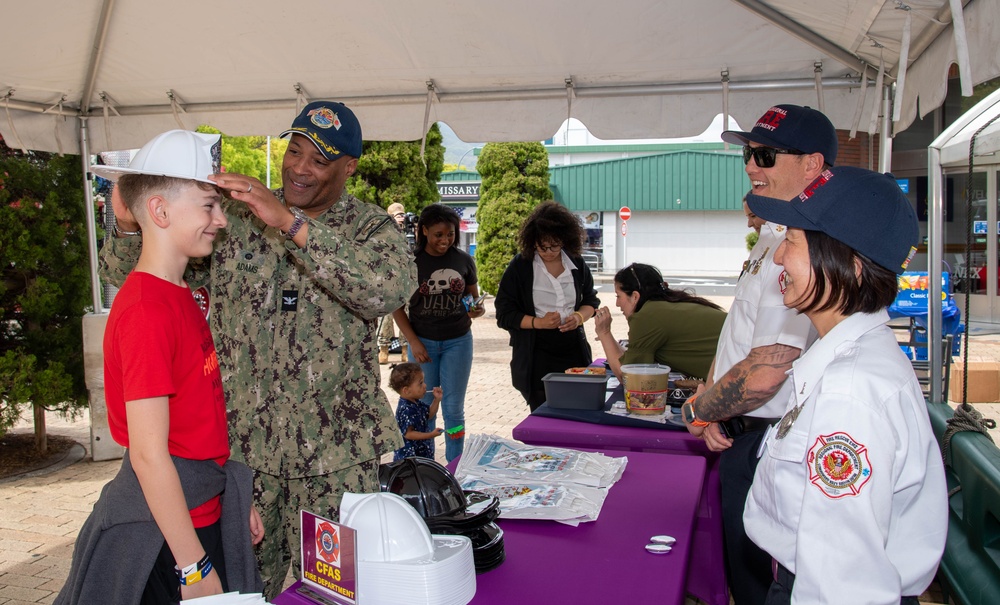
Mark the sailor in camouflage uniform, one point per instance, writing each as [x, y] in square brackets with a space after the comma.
[294, 292]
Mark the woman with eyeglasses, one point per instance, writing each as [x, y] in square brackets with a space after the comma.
[545, 296]
[849, 498]
[671, 327]
[437, 323]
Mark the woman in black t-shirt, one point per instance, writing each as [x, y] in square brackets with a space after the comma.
[438, 325]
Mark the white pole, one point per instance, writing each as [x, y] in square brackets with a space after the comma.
[88, 201]
[268, 161]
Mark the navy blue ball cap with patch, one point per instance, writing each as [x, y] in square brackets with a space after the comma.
[863, 209]
[331, 126]
[791, 127]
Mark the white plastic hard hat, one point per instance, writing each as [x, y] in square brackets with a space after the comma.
[389, 529]
[180, 154]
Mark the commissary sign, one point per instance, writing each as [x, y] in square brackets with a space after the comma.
[453, 192]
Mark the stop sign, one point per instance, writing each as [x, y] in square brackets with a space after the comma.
[624, 213]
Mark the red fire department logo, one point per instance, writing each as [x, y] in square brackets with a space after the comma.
[839, 465]
[328, 543]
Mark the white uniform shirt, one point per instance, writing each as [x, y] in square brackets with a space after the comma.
[853, 499]
[551, 293]
[759, 317]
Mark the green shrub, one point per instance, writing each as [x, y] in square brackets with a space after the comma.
[515, 179]
[44, 283]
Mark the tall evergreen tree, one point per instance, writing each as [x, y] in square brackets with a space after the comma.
[392, 171]
[515, 179]
[44, 283]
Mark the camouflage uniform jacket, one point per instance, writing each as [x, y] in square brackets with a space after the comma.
[295, 333]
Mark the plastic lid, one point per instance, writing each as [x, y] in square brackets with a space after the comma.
[388, 528]
[645, 368]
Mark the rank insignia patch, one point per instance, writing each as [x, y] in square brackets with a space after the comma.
[839, 465]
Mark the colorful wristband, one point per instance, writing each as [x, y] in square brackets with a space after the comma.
[195, 572]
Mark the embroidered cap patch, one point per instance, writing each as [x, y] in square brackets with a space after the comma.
[324, 117]
[839, 465]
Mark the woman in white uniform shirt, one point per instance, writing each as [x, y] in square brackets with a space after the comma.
[850, 497]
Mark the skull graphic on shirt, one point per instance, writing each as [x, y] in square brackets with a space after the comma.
[444, 281]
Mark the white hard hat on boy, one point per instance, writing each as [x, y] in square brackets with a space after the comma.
[180, 154]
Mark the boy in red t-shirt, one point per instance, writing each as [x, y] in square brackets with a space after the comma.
[162, 381]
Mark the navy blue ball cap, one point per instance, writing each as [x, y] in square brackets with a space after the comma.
[791, 127]
[331, 126]
[863, 209]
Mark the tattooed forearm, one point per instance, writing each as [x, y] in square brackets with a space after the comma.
[747, 385]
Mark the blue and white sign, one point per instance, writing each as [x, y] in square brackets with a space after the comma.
[904, 185]
[979, 228]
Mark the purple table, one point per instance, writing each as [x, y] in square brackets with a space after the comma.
[605, 561]
[707, 577]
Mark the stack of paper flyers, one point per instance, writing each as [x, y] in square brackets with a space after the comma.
[535, 482]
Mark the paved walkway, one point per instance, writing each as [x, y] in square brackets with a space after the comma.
[40, 515]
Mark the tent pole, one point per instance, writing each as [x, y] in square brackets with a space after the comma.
[88, 200]
[884, 140]
[935, 254]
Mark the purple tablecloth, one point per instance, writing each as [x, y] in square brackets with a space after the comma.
[605, 561]
[707, 576]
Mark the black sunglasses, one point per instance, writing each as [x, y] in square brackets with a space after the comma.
[765, 156]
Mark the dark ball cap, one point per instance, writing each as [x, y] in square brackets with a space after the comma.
[791, 127]
[863, 209]
[331, 126]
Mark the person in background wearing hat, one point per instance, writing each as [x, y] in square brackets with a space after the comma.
[753, 221]
[787, 149]
[850, 496]
[172, 524]
[295, 288]
[386, 329]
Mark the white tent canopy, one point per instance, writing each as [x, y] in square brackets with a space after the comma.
[509, 70]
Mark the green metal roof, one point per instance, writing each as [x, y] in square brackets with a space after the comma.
[460, 175]
[700, 180]
[634, 148]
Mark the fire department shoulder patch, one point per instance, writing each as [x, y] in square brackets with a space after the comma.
[838, 465]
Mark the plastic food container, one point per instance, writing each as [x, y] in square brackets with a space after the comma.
[575, 391]
[646, 387]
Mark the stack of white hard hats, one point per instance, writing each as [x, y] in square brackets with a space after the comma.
[399, 561]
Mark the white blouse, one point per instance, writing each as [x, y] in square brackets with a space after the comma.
[551, 293]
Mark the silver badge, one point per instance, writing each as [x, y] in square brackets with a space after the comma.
[787, 421]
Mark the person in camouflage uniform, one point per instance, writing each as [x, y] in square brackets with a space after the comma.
[294, 291]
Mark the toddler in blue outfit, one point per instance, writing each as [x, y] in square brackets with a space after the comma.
[413, 415]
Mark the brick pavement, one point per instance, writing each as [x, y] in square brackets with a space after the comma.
[40, 515]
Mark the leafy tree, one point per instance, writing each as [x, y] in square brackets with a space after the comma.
[44, 284]
[392, 171]
[515, 179]
[751, 239]
[248, 155]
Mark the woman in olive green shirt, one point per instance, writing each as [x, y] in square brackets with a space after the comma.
[671, 327]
